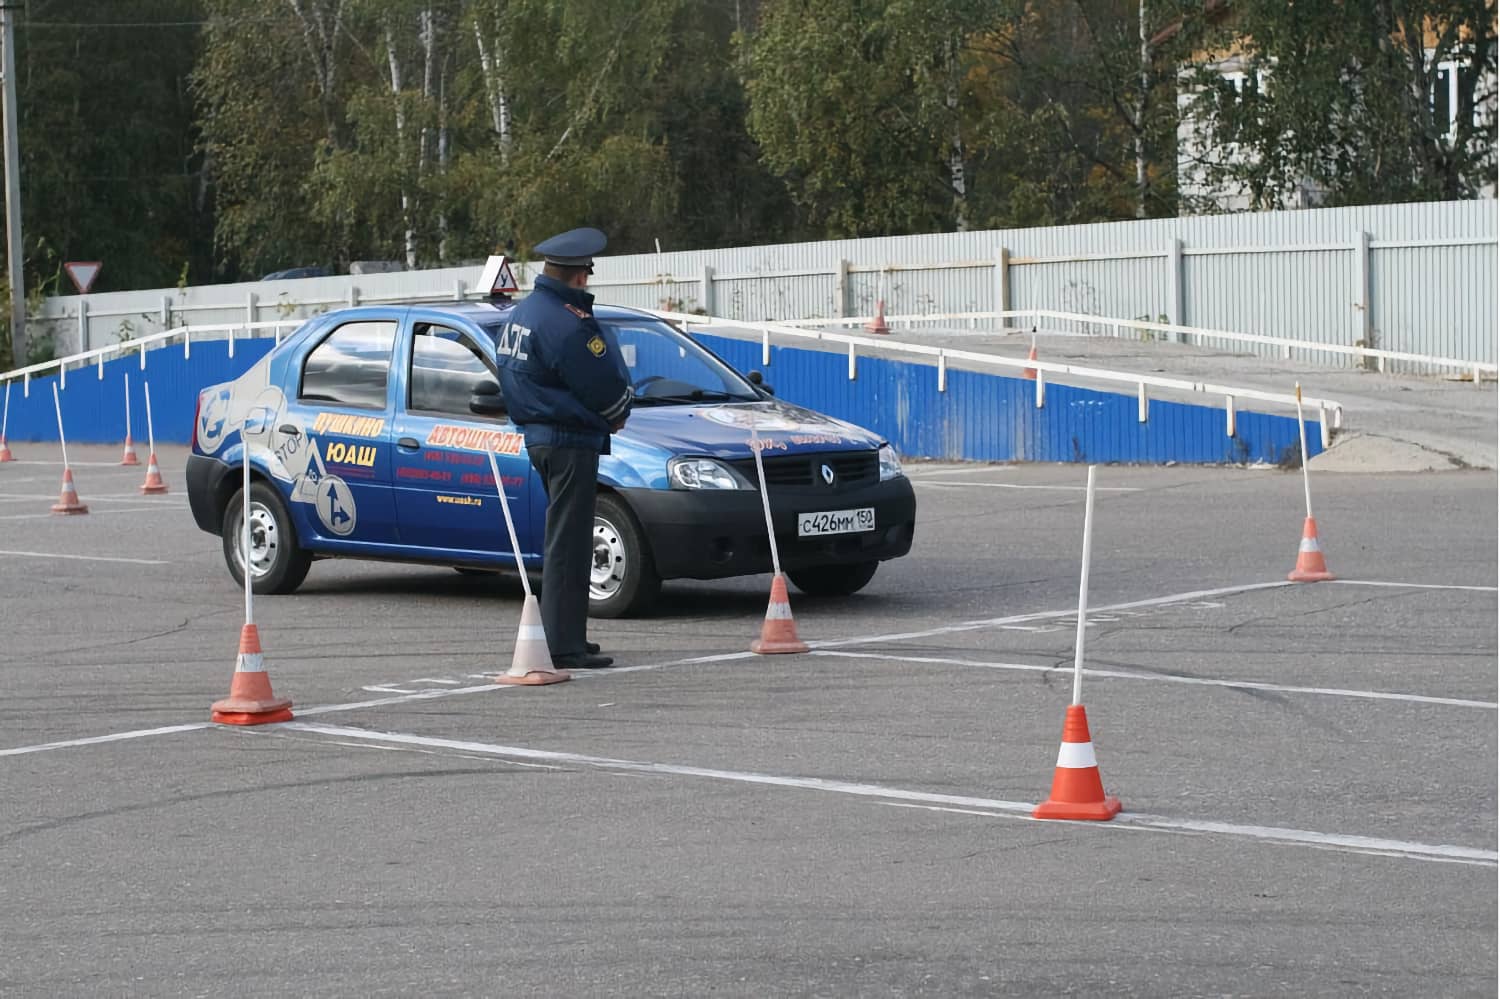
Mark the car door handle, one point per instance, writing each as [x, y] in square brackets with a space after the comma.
[289, 430]
[408, 444]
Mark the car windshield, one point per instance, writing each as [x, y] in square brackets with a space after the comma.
[666, 367]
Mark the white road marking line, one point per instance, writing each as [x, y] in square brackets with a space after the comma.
[96, 739]
[85, 558]
[74, 464]
[966, 470]
[1291, 837]
[154, 508]
[1017, 485]
[1376, 695]
[111, 497]
[1417, 586]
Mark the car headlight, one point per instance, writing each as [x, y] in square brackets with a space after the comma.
[890, 464]
[702, 473]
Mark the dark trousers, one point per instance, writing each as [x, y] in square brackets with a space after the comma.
[570, 476]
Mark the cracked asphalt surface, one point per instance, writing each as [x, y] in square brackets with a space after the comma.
[1308, 772]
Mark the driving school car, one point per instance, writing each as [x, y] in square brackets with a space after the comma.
[369, 433]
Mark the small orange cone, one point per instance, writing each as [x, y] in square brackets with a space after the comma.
[153, 486]
[1030, 373]
[129, 458]
[1077, 791]
[250, 700]
[5, 454]
[67, 502]
[877, 325]
[531, 665]
[779, 632]
[1310, 566]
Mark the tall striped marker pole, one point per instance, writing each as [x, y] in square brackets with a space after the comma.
[778, 633]
[154, 486]
[5, 454]
[251, 700]
[1310, 566]
[531, 663]
[1077, 788]
[67, 501]
[128, 458]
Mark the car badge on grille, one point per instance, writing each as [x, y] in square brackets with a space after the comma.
[828, 474]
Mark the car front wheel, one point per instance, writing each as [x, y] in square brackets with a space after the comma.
[623, 581]
[833, 580]
[277, 563]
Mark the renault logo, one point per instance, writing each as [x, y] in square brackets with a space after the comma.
[827, 471]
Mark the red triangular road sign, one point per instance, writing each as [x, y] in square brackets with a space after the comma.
[83, 274]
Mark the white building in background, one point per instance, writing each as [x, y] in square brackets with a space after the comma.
[1201, 193]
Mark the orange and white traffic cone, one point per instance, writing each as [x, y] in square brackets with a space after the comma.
[877, 325]
[1310, 565]
[129, 457]
[250, 700]
[531, 665]
[153, 486]
[1077, 791]
[5, 454]
[1030, 373]
[67, 501]
[779, 631]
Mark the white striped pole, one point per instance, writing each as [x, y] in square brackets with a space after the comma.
[61, 439]
[510, 525]
[1083, 588]
[5, 420]
[765, 499]
[1302, 438]
[244, 515]
[150, 431]
[127, 404]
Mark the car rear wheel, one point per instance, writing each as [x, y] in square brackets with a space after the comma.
[623, 581]
[278, 564]
[833, 580]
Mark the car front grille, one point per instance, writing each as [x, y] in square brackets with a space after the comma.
[804, 471]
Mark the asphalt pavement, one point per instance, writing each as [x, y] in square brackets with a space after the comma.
[1308, 772]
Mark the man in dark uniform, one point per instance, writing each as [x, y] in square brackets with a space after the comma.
[566, 386]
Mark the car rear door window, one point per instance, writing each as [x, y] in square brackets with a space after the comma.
[445, 368]
[351, 366]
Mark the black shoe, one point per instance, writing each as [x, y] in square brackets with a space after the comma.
[581, 660]
[592, 648]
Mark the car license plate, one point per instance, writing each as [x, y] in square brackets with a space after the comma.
[836, 522]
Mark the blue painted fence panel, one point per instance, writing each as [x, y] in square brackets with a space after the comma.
[981, 417]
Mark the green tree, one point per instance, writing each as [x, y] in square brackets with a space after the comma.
[1352, 100]
[109, 165]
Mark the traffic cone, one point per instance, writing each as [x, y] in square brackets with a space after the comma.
[250, 700]
[877, 325]
[1030, 373]
[5, 454]
[153, 486]
[779, 632]
[129, 457]
[67, 502]
[531, 665]
[1077, 791]
[1310, 565]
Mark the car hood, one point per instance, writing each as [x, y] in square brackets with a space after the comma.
[723, 430]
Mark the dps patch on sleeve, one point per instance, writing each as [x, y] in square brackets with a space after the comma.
[596, 346]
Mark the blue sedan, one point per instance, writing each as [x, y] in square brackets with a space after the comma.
[370, 432]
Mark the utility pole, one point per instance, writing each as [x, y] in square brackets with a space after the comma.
[13, 186]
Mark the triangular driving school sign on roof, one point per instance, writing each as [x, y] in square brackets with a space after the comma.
[496, 278]
[83, 274]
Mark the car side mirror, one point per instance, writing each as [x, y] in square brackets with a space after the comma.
[759, 381]
[486, 399]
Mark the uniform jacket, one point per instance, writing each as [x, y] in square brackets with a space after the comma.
[564, 380]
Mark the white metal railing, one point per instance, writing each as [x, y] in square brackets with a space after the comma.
[1330, 412]
[99, 355]
[1117, 327]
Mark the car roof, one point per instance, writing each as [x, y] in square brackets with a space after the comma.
[486, 312]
